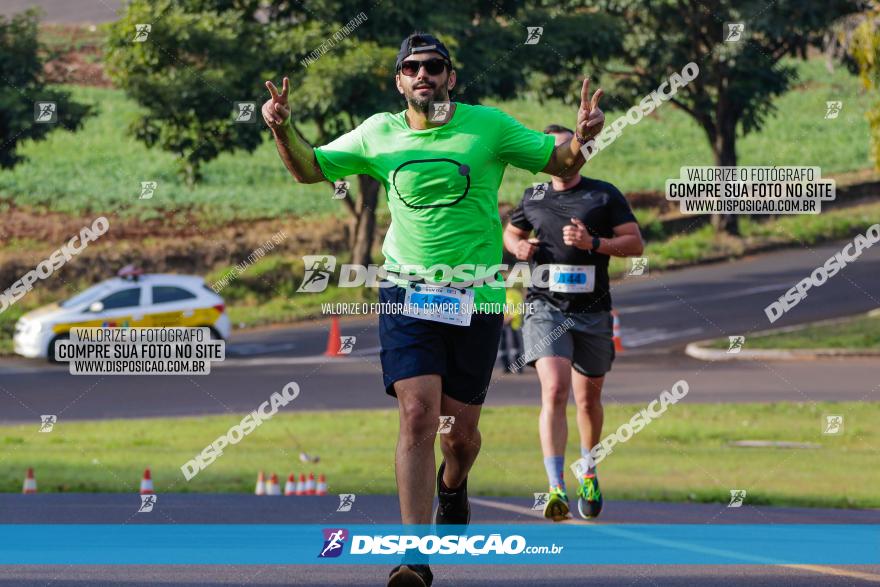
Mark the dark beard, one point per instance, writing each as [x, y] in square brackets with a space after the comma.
[423, 104]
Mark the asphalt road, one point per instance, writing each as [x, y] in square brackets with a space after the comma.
[444, 576]
[664, 309]
[194, 508]
[659, 314]
[381, 509]
[356, 384]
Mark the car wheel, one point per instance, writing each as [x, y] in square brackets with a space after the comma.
[214, 334]
[50, 352]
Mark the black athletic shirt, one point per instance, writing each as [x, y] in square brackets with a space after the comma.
[601, 207]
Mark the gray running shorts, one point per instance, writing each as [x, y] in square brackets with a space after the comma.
[584, 339]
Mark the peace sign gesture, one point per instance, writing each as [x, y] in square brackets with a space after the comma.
[590, 118]
[276, 110]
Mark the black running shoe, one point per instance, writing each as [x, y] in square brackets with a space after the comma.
[411, 576]
[454, 507]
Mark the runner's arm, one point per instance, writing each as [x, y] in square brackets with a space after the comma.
[298, 156]
[517, 242]
[567, 158]
[626, 242]
[512, 237]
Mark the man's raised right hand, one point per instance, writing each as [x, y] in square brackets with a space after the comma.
[276, 110]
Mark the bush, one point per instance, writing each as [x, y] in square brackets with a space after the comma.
[21, 68]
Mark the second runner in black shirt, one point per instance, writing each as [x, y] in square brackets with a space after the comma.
[571, 227]
[546, 211]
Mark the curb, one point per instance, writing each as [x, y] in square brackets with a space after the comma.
[697, 350]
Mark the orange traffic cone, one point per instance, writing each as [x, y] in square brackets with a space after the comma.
[30, 483]
[260, 489]
[290, 486]
[310, 485]
[322, 485]
[146, 483]
[333, 342]
[301, 485]
[273, 488]
[618, 342]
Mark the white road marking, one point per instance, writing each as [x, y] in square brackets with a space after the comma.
[355, 357]
[269, 361]
[822, 570]
[634, 337]
[781, 287]
[819, 569]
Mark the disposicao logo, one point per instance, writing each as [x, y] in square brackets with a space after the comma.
[334, 541]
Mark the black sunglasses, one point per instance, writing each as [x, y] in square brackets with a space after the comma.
[433, 66]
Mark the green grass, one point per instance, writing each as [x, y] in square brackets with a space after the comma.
[810, 229]
[8, 319]
[683, 455]
[65, 38]
[860, 332]
[101, 167]
[649, 153]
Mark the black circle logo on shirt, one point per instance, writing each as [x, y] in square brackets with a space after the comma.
[431, 183]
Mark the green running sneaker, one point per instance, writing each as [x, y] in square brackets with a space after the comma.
[556, 508]
[589, 497]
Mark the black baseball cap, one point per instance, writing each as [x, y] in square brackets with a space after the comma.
[421, 43]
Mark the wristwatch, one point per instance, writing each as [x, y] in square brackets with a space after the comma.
[579, 140]
[596, 243]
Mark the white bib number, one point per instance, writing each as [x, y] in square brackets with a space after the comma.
[572, 278]
[439, 304]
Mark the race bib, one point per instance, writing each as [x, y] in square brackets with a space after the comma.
[439, 304]
[572, 278]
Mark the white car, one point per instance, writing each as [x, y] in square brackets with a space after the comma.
[134, 300]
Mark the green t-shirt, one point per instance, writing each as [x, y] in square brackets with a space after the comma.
[442, 184]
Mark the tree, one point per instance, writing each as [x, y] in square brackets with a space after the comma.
[337, 93]
[865, 51]
[196, 59]
[355, 79]
[738, 81]
[339, 54]
[21, 69]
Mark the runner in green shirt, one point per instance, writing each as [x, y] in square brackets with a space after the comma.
[442, 183]
[441, 163]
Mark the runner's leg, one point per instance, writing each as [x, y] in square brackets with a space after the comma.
[590, 417]
[555, 376]
[590, 413]
[461, 445]
[419, 409]
[472, 353]
[504, 349]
